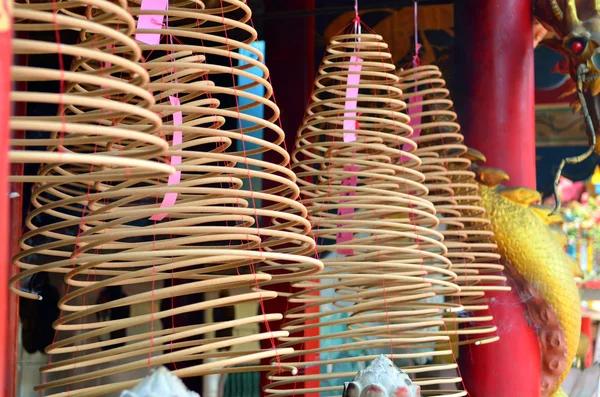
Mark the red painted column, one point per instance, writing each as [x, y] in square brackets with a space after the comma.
[586, 329]
[291, 61]
[495, 103]
[290, 57]
[16, 228]
[495, 91]
[511, 366]
[6, 359]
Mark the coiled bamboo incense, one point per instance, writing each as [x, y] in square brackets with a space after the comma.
[208, 230]
[375, 228]
[455, 193]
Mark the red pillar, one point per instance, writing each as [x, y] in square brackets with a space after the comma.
[6, 360]
[495, 91]
[495, 103]
[511, 366]
[586, 329]
[290, 57]
[15, 225]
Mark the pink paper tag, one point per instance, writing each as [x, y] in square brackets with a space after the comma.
[352, 92]
[109, 48]
[344, 237]
[414, 121]
[415, 110]
[151, 21]
[170, 198]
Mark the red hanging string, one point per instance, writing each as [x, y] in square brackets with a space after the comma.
[357, 29]
[257, 221]
[416, 59]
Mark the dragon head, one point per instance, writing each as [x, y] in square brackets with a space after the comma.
[381, 379]
[576, 26]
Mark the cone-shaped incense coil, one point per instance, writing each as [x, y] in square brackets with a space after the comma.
[93, 132]
[202, 230]
[254, 144]
[455, 194]
[373, 224]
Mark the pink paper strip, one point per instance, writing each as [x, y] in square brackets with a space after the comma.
[352, 92]
[413, 122]
[151, 21]
[174, 179]
[415, 110]
[352, 125]
[344, 237]
[109, 48]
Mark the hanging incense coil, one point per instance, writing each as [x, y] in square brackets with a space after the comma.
[243, 139]
[374, 225]
[216, 235]
[93, 131]
[455, 193]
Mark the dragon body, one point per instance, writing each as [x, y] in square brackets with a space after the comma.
[541, 272]
[574, 27]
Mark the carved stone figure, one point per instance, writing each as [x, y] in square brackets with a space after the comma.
[381, 379]
[160, 383]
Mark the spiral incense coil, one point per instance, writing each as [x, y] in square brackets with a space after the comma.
[378, 279]
[92, 132]
[224, 32]
[455, 193]
[208, 238]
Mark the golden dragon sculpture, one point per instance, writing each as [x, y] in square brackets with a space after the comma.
[542, 272]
